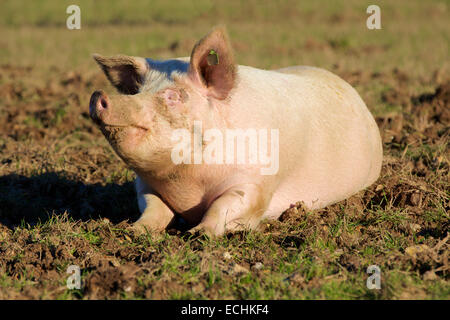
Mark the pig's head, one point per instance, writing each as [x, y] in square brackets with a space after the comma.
[157, 97]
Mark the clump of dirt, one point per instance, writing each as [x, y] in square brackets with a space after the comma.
[109, 280]
[424, 119]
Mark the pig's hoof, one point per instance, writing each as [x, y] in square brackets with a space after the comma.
[206, 230]
[141, 228]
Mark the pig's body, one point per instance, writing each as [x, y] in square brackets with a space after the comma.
[330, 146]
[329, 149]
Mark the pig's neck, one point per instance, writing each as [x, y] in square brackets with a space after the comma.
[172, 185]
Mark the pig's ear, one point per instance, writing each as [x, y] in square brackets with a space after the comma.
[126, 73]
[212, 64]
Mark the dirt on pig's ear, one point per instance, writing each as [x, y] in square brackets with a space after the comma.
[126, 73]
[212, 64]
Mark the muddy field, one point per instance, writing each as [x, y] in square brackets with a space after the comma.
[67, 199]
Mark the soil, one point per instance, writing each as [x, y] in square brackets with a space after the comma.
[54, 163]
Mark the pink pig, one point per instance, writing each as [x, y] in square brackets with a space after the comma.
[171, 119]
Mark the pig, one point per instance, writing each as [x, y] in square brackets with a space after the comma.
[329, 145]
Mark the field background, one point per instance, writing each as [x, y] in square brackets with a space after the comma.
[65, 197]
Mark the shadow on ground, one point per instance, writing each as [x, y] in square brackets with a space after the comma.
[29, 200]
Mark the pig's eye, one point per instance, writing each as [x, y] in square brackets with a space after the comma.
[172, 97]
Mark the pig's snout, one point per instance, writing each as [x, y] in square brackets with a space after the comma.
[99, 106]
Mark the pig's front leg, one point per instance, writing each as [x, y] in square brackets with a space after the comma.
[239, 208]
[155, 214]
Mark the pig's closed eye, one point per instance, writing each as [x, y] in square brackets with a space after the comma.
[171, 97]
